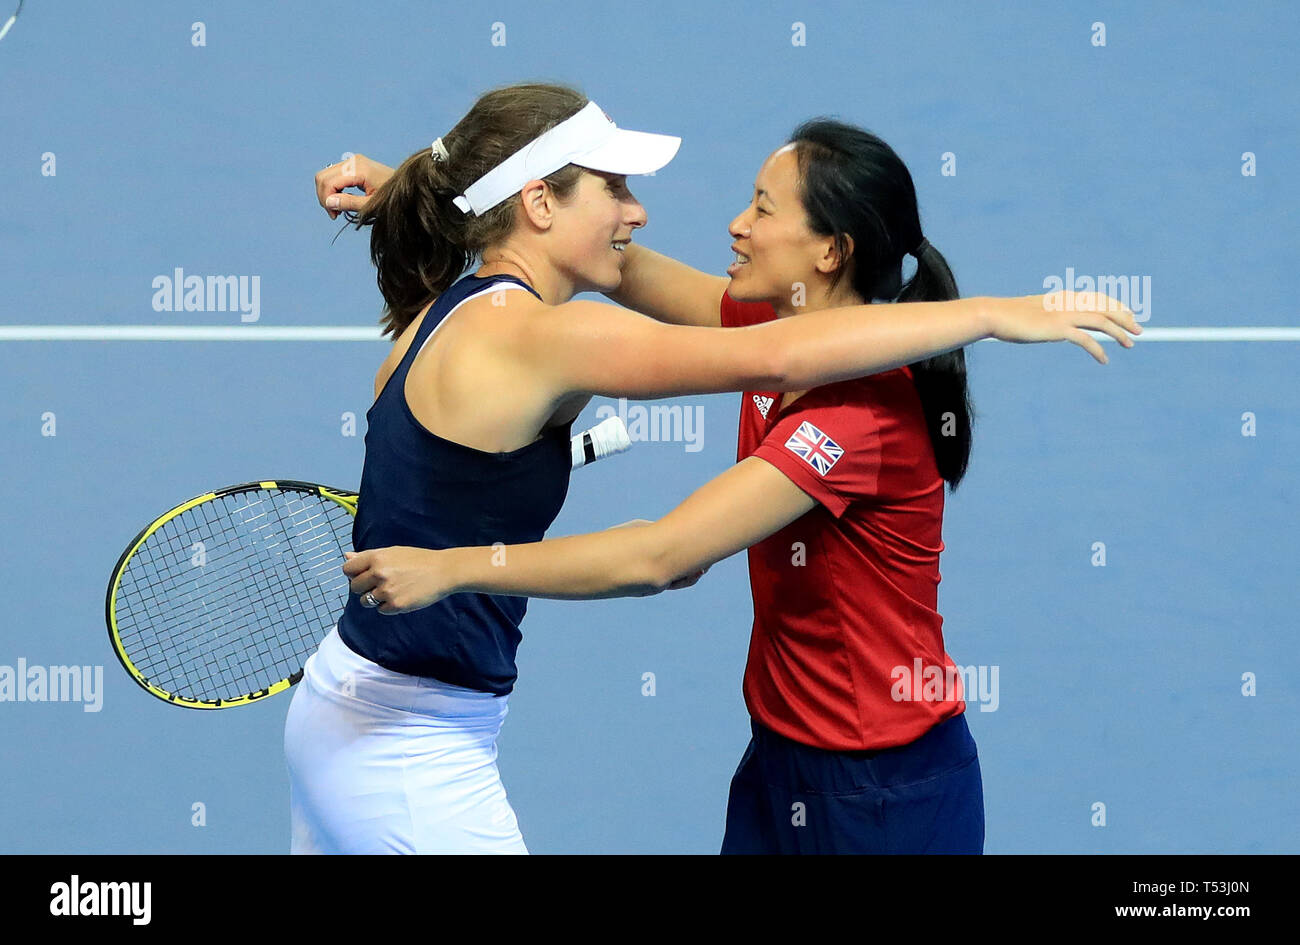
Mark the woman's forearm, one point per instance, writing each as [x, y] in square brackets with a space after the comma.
[836, 344]
[618, 562]
[636, 287]
[818, 347]
[668, 290]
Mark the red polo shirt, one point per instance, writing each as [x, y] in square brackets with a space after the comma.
[847, 648]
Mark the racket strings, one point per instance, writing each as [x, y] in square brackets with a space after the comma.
[225, 610]
[212, 605]
[243, 609]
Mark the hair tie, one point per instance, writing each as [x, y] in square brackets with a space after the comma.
[439, 150]
[921, 247]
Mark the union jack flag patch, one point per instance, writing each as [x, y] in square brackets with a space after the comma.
[816, 448]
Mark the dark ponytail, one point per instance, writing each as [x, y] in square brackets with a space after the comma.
[420, 241]
[855, 187]
[941, 380]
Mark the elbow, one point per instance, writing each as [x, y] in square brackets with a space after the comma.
[652, 568]
[649, 577]
[669, 565]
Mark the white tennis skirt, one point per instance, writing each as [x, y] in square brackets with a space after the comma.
[383, 762]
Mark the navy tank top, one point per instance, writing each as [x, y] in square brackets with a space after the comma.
[422, 490]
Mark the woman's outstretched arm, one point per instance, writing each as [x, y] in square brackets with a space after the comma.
[597, 348]
[594, 348]
[736, 509]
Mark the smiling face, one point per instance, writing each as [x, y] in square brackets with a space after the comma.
[775, 248]
[596, 222]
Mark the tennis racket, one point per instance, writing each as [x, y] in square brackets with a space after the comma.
[219, 601]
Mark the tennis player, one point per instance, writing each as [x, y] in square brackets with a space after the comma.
[391, 738]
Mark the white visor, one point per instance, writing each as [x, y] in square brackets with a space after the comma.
[589, 139]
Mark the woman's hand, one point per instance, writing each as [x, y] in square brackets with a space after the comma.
[1029, 319]
[401, 579]
[356, 171]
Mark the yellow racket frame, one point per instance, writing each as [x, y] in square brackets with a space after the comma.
[343, 497]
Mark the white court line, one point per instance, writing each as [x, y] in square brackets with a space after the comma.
[186, 333]
[343, 333]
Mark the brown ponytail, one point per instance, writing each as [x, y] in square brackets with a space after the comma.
[421, 242]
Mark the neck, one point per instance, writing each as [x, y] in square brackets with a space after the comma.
[819, 297]
[549, 284]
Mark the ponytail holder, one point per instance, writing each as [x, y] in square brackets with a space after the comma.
[439, 150]
[921, 247]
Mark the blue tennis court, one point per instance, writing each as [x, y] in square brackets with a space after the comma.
[1120, 563]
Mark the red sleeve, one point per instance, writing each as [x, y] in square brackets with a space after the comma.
[737, 314]
[828, 445]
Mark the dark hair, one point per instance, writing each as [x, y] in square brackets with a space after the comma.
[421, 242]
[854, 186]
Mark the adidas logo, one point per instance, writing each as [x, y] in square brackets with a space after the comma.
[764, 404]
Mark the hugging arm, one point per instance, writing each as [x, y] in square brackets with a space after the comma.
[738, 508]
[594, 348]
[668, 290]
